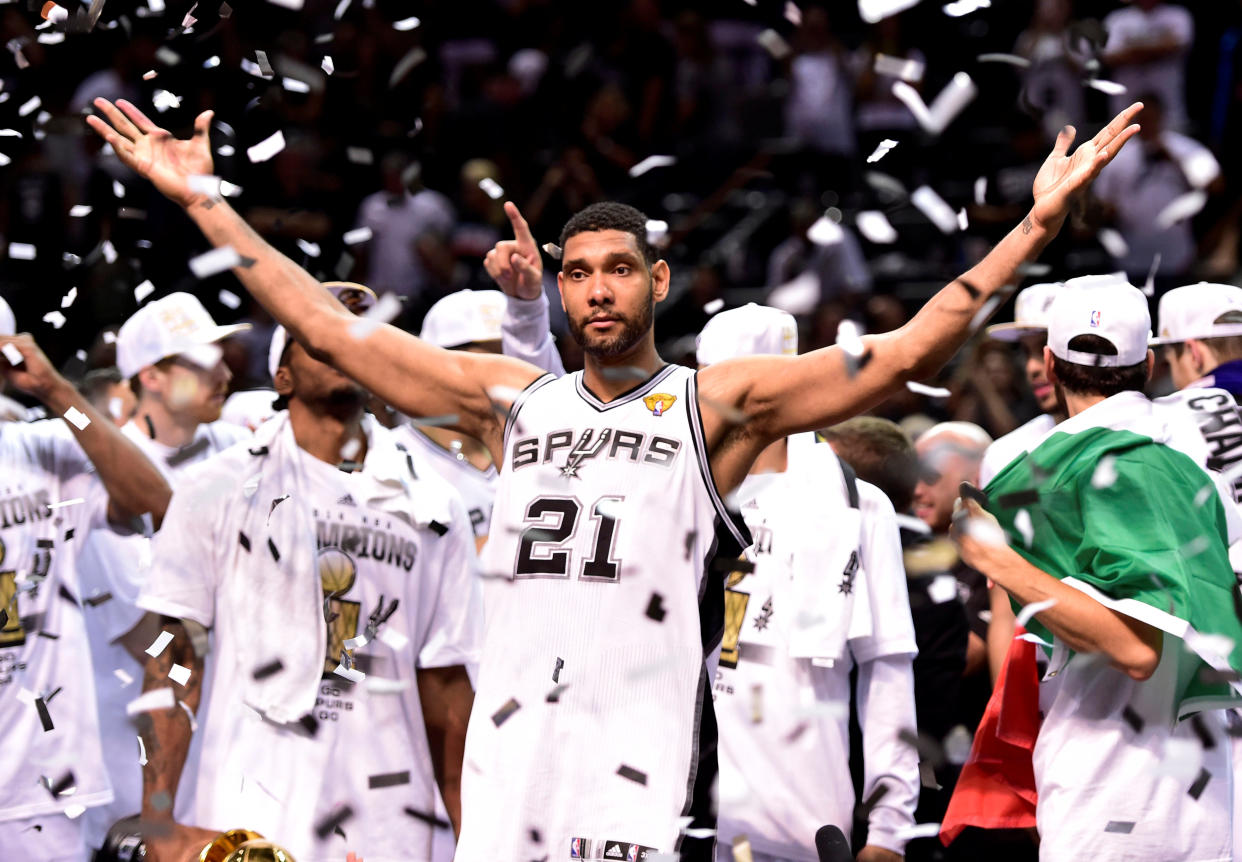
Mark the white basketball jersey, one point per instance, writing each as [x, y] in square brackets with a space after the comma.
[476, 487]
[592, 733]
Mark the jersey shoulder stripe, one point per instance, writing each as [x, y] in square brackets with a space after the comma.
[732, 520]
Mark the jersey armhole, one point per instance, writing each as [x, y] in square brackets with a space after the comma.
[511, 418]
[732, 520]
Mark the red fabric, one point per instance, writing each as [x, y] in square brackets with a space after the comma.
[996, 789]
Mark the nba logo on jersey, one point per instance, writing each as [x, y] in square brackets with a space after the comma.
[659, 402]
[575, 848]
[1095, 319]
[632, 856]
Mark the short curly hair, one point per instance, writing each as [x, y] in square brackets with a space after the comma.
[609, 215]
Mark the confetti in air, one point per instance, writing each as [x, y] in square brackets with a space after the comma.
[266, 148]
[77, 418]
[651, 163]
[881, 150]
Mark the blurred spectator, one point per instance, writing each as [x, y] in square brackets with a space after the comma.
[1148, 41]
[819, 109]
[880, 114]
[1157, 168]
[408, 253]
[1052, 84]
[703, 87]
[109, 393]
[990, 392]
[833, 256]
[480, 221]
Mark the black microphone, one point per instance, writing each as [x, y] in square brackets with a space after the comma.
[831, 845]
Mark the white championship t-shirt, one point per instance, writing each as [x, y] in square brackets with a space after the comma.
[784, 722]
[47, 700]
[111, 567]
[370, 751]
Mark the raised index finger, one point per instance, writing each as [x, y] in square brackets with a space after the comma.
[521, 230]
[1119, 124]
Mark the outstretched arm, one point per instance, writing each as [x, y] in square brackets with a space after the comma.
[415, 377]
[784, 395]
[134, 485]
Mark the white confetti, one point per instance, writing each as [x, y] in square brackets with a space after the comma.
[115, 407]
[1217, 646]
[163, 100]
[124, 678]
[22, 251]
[357, 235]
[74, 811]
[211, 62]
[54, 317]
[10, 133]
[142, 752]
[962, 221]
[825, 232]
[909, 70]
[79, 210]
[226, 150]
[1028, 611]
[918, 830]
[1105, 473]
[943, 588]
[69, 298]
[52, 37]
[287, 4]
[382, 312]
[327, 65]
[150, 701]
[1112, 88]
[799, 295]
[308, 247]
[957, 745]
[406, 24]
[167, 56]
[651, 163]
[934, 207]
[981, 190]
[713, 306]
[491, 188]
[350, 673]
[348, 451]
[1011, 59]
[774, 44]
[958, 8]
[1114, 243]
[380, 685]
[355, 642]
[985, 531]
[1181, 208]
[12, 354]
[229, 299]
[394, 638]
[930, 391]
[849, 338]
[873, 11]
[156, 6]
[5, 160]
[1022, 523]
[340, 9]
[293, 85]
[1149, 286]
[77, 418]
[266, 148]
[63, 503]
[1200, 167]
[29, 107]
[950, 102]
[212, 262]
[143, 290]
[26, 696]
[881, 150]
[161, 642]
[792, 13]
[179, 674]
[875, 227]
[657, 229]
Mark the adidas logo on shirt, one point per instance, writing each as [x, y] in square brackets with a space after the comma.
[614, 851]
[347, 500]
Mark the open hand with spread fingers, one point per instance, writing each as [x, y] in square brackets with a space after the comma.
[1064, 177]
[152, 152]
[515, 264]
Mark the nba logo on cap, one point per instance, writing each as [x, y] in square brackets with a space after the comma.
[1095, 319]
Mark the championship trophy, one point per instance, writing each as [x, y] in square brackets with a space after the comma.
[125, 844]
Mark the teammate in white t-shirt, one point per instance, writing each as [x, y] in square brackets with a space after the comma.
[594, 731]
[260, 543]
[782, 691]
[167, 353]
[53, 768]
[1030, 330]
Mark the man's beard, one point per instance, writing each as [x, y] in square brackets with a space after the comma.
[610, 346]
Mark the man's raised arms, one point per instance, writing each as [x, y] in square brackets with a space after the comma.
[415, 377]
[784, 395]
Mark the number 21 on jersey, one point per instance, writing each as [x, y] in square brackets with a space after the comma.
[544, 550]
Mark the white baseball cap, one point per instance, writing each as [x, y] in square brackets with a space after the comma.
[1109, 307]
[356, 297]
[752, 330]
[1191, 312]
[464, 317]
[1030, 312]
[173, 326]
[8, 323]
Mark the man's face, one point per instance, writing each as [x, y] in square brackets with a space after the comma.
[1184, 365]
[1033, 363]
[945, 462]
[310, 381]
[191, 391]
[607, 292]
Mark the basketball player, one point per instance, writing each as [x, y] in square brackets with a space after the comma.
[53, 767]
[320, 488]
[167, 354]
[812, 604]
[593, 733]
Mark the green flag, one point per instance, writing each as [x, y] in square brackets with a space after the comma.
[1143, 527]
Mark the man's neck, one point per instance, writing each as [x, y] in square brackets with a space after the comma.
[1076, 403]
[327, 435]
[471, 449]
[164, 426]
[616, 375]
[774, 459]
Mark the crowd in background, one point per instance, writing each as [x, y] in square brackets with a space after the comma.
[418, 128]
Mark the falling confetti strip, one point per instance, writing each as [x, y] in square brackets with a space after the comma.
[503, 714]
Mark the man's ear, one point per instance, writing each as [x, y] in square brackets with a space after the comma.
[1049, 370]
[560, 289]
[1151, 362]
[151, 379]
[660, 276]
[283, 381]
[1200, 355]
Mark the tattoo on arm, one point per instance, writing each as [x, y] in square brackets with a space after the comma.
[1027, 227]
[166, 732]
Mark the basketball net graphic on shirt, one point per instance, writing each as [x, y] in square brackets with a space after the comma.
[11, 632]
[337, 573]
